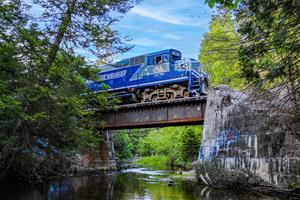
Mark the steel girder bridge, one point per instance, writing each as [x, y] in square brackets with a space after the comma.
[175, 112]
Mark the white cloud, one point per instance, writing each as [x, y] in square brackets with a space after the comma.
[168, 16]
[172, 36]
[147, 42]
[157, 15]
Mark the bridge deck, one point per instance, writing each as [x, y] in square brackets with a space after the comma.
[156, 114]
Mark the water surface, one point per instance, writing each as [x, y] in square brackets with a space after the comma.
[135, 184]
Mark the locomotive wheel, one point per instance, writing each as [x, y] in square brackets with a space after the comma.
[135, 98]
[186, 94]
[171, 96]
[140, 99]
[154, 97]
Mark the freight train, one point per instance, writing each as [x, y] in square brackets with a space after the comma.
[162, 75]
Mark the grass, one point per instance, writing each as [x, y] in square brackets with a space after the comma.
[153, 162]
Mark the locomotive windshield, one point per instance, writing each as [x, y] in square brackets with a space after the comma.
[196, 66]
[175, 55]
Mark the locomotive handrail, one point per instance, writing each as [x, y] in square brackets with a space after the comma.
[195, 72]
[190, 82]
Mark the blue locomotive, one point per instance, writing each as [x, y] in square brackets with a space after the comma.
[155, 76]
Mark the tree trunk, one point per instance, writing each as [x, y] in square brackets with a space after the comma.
[66, 19]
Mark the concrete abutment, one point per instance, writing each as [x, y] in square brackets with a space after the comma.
[102, 159]
[236, 137]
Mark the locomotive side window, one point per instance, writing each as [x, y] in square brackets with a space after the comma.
[165, 58]
[161, 59]
[158, 60]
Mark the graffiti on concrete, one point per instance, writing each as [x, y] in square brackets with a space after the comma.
[225, 138]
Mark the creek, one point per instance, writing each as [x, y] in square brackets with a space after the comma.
[139, 183]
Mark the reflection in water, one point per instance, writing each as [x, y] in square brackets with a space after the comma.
[131, 184]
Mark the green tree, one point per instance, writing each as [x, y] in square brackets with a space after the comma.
[270, 50]
[175, 146]
[190, 142]
[43, 92]
[123, 145]
[226, 3]
[219, 51]
[269, 55]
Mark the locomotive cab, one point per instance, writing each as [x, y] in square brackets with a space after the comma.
[166, 56]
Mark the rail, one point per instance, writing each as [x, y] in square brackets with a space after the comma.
[178, 101]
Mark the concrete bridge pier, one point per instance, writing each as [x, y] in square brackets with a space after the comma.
[102, 159]
[107, 158]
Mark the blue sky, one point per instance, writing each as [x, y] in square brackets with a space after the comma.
[155, 25]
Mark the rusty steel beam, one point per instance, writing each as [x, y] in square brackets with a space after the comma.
[155, 114]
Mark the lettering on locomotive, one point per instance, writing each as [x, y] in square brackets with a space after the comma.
[113, 75]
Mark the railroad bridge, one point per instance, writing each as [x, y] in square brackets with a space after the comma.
[175, 112]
